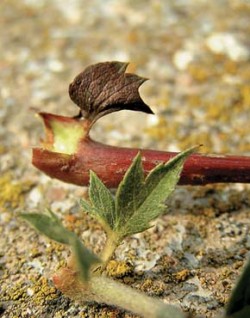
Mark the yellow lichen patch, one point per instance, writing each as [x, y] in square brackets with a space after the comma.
[201, 73]
[182, 275]
[119, 268]
[2, 150]
[42, 291]
[16, 293]
[231, 67]
[194, 100]
[57, 251]
[244, 72]
[36, 290]
[12, 192]
[214, 111]
[163, 129]
[197, 139]
[245, 96]
[151, 287]
[108, 313]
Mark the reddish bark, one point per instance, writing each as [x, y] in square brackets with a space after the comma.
[110, 163]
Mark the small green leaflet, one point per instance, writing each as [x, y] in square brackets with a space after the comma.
[102, 205]
[138, 201]
[129, 192]
[49, 225]
[239, 303]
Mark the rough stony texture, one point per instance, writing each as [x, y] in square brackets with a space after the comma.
[196, 54]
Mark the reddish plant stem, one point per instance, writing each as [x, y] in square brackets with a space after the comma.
[110, 163]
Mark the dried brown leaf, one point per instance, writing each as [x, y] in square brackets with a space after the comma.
[104, 88]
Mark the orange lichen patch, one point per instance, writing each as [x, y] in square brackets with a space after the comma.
[12, 192]
[69, 218]
[132, 37]
[74, 223]
[131, 68]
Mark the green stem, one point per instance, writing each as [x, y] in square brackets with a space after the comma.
[111, 244]
[116, 294]
[101, 289]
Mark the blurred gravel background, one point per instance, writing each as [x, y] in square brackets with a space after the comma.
[196, 54]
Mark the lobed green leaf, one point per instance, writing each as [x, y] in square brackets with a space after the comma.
[149, 201]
